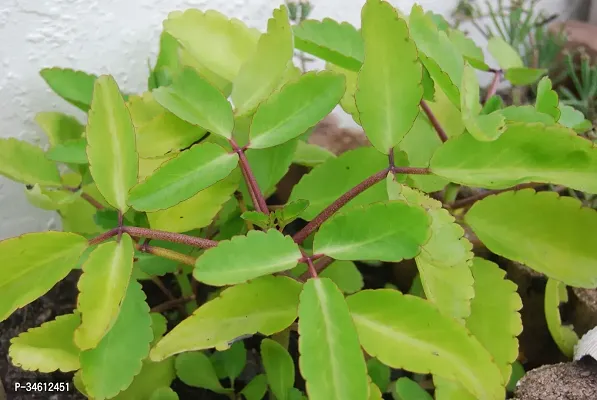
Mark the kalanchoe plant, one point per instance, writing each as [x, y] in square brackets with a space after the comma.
[174, 182]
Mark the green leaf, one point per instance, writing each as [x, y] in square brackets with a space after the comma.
[450, 390]
[481, 127]
[193, 99]
[495, 319]
[255, 390]
[182, 177]
[185, 217]
[348, 102]
[231, 361]
[388, 104]
[292, 210]
[110, 367]
[374, 392]
[379, 373]
[565, 337]
[70, 151]
[524, 76]
[338, 43]
[266, 305]
[279, 368]
[48, 347]
[33, 263]
[345, 275]
[50, 199]
[296, 107]
[59, 127]
[447, 113]
[513, 225]
[444, 261]
[330, 180]
[260, 219]
[270, 165]
[168, 55]
[517, 374]
[311, 155]
[247, 257]
[218, 44]
[76, 87]
[468, 48]
[102, 288]
[394, 231]
[26, 163]
[331, 360]
[195, 369]
[407, 332]
[111, 144]
[505, 55]
[261, 74]
[524, 153]
[408, 389]
[572, 118]
[164, 393]
[526, 114]
[547, 99]
[495, 103]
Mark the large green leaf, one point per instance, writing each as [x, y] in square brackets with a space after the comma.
[547, 99]
[389, 231]
[495, 319]
[330, 180]
[26, 163]
[183, 177]
[311, 155]
[345, 275]
[266, 305]
[331, 360]
[565, 337]
[193, 99]
[59, 127]
[102, 287]
[110, 367]
[279, 368]
[472, 53]
[388, 104]
[505, 55]
[407, 332]
[338, 43]
[260, 75]
[195, 369]
[255, 390]
[198, 211]
[70, 151]
[218, 44]
[450, 390]
[48, 347]
[527, 114]
[524, 76]
[524, 153]
[444, 261]
[32, 264]
[247, 257]
[408, 389]
[111, 147]
[514, 225]
[348, 102]
[76, 87]
[296, 107]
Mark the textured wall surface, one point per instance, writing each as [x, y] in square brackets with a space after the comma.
[106, 36]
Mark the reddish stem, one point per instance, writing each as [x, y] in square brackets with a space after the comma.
[319, 266]
[497, 77]
[85, 197]
[156, 235]
[434, 121]
[312, 271]
[252, 185]
[473, 199]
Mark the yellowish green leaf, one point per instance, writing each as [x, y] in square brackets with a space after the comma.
[26, 163]
[565, 337]
[76, 87]
[279, 368]
[547, 100]
[59, 127]
[506, 56]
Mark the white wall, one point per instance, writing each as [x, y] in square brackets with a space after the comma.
[106, 36]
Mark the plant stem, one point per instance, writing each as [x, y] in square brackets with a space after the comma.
[157, 235]
[169, 254]
[311, 270]
[322, 264]
[497, 77]
[252, 185]
[158, 282]
[171, 304]
[473, 199]
[85, 197]
[243, 208]
[434, 121]
[186, 290]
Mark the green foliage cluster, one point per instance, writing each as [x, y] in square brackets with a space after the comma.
[173, 181]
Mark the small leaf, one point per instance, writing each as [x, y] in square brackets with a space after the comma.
[513, 225]
[50, 199]
[260, 75]
[182, 177]
[345, 275]
[407, 332]
[292, 210]
[527, 114]
[338, 43]
[231, 361]
[260, 219]
[102, 288]
[565, 337]
[494, 103]
[572, 118]
[76, 87]
[59, 127]
[388, 104]
[523, 153]
[395, 231]
[408, 389]
[110, 367]
[374, 392]
[524, 76]
[111, 148]
[48, 347]
[247, 257]
[266, 305]
[517, 374]
[331, 360]
[195, 369]
[505, 55]
[296, 107]
[547, 99]
[193, 99]
[255, 390]
[71, 151]
[164, 393]
[279, 368]
[379, 373]
[311, 155]
[495, 319]
[26, 163]
[33, 263]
